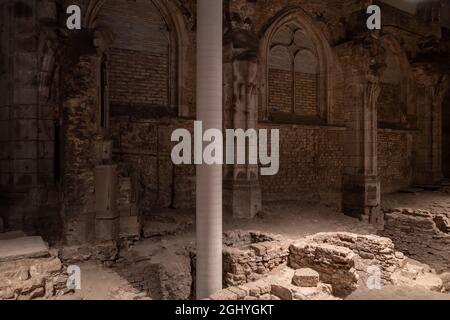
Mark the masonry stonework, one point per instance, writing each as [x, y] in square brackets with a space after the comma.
[360, 113]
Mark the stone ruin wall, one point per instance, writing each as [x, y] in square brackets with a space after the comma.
[329, 265]
[311, 164]
[250, 256]
[421, 234]
[395, 159]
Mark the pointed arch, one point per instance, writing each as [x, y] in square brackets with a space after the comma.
[178, 42]
[397, 79]
[307, 37]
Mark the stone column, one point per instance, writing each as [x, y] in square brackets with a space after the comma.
[361, 183]
[209, 178]
[79, 139]
[242, 191]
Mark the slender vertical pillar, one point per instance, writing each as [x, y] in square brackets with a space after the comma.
[209, 178]
[361, 190]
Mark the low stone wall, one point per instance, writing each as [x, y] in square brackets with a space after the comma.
[335, 265]
[369, 251]
[32, 278]
[276, 287]
[249, 256]
[421, 235]
[106, 253]
[341, 259]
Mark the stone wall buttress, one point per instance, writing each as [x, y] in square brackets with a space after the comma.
[361, 184]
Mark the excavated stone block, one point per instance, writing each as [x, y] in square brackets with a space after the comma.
[107, 229]
[369, 250]
[130, 227]
[336, 265]
[20, 248]
[306, 278]
[249, 256]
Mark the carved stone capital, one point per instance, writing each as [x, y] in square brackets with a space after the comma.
[103, 40]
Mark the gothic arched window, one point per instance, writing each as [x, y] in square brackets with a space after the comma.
[293, 73]
[142, 73]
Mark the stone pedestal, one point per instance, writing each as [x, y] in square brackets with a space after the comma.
[242, 199]
[106, 216]
[362, 197]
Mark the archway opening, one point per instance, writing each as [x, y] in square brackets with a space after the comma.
[141, 83]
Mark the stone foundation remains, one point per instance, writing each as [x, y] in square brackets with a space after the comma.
[249, 256]
[420, 234]
[29, 270]
[332, 266]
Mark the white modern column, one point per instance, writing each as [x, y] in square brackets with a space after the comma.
[209, 178]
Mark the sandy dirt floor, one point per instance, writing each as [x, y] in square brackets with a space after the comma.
[289, 219]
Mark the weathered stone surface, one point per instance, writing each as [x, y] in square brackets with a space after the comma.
[20, 248]
[224, 295]
[157, 229]
[370, 250]
[421, 235]
[103, 252]
[414, 274]
[130, 227]
[276, 286]
[32, 278]
[12, 235]
[249, 256]
[306, 278]
[165, 275]
[336, 265]
[445, 281]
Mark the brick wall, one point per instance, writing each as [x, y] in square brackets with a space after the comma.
[394, 160]
[139, 58]
[311, 163]
[280, 90]
[281, 96]
[143, 149]
[306, 94]
[138, 78]
[389, 103]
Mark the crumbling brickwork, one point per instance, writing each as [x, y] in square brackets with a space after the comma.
[138, 78]
[249, 256]
[420, 234]
[395, 160]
